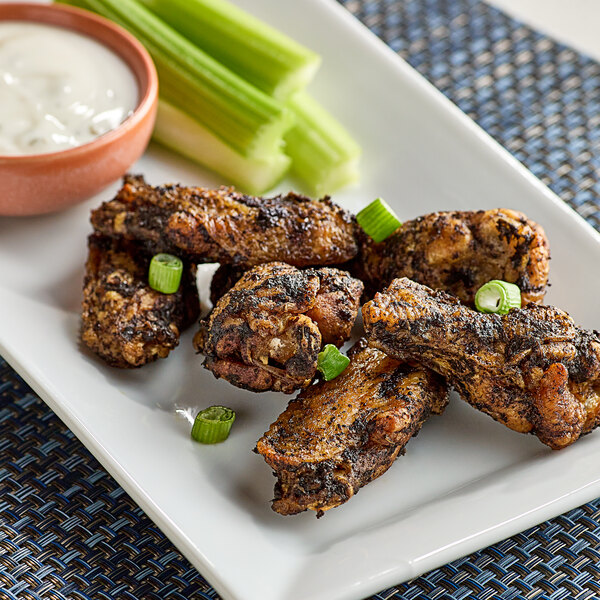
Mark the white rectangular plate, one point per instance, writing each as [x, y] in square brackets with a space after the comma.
[465, 482]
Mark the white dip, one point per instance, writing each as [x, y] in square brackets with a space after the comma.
[58, 89]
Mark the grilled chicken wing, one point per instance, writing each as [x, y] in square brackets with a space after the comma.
[337, 436]
[458, 252]
[533, 369]
[124, 321]
[228, 227]
[225, 277]
[266, 332]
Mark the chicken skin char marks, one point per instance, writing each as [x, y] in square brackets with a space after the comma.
[124, 321]
[226, 226]
[458, 252]
[267, 331]
[532, 369]
[224, 278]
[337, 436]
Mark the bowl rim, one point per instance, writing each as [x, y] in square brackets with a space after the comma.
[147, 96]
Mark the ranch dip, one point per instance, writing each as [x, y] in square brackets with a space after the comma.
[58, 89]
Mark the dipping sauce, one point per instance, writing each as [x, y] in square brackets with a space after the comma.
[58, 89]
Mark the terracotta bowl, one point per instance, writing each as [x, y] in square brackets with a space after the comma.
[40, 183]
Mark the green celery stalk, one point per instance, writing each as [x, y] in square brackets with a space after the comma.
[180, 132]
[243, 117]
[265, 57]
[324, 155]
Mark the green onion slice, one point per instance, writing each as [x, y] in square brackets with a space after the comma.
[331, 362]
[164, 274]
[378, 220]
[497, 297]
[213, 424]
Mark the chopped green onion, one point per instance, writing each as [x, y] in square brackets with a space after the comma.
[242, 116]
[179, 131]
[331, 362]
[265, 57]
[212, 425]
[378, 220]
[164, 274]
[498, 297]
[324, 155]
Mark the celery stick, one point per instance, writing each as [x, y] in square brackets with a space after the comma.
[246, 119]
[180, 132]
[323, 153]
[265, 57]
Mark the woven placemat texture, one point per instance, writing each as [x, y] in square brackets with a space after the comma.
[68, 531]
[539, 99]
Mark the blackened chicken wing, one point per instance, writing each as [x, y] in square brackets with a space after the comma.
[337, 436]
[124, 321]
[533, 369]
[226, 226]
[458, 252]
[224, 278]
[265, 333]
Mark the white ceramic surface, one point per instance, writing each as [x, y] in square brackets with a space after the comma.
[574, 22]
[464, 483]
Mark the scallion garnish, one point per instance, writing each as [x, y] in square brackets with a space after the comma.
[213, 424]
[331, 362]
[164, 274]
[497, 297]
[378, 220]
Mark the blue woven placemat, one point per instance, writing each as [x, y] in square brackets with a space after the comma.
[539, 99]
[68, 531]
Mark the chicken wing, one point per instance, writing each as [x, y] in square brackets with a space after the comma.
[224, 278]
[228, 227]
[266, 332]
[124, 321]
[533, 369]
[458, 252]
[337, 436]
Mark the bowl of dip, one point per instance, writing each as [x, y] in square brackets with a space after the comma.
[78, 98]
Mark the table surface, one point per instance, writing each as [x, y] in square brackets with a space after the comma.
[68, 531]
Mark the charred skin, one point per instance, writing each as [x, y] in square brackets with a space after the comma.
[224, 278]
[337, 436]
[124, 321]
[458, 252]
[228, 227]
[265, 333]
[533, 369]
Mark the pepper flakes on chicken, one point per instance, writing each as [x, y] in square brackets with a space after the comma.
[223, 279]
[226, 226]
[337, 436]
[458, 252]
[532, 369]
[266, 332]
[125, 321]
